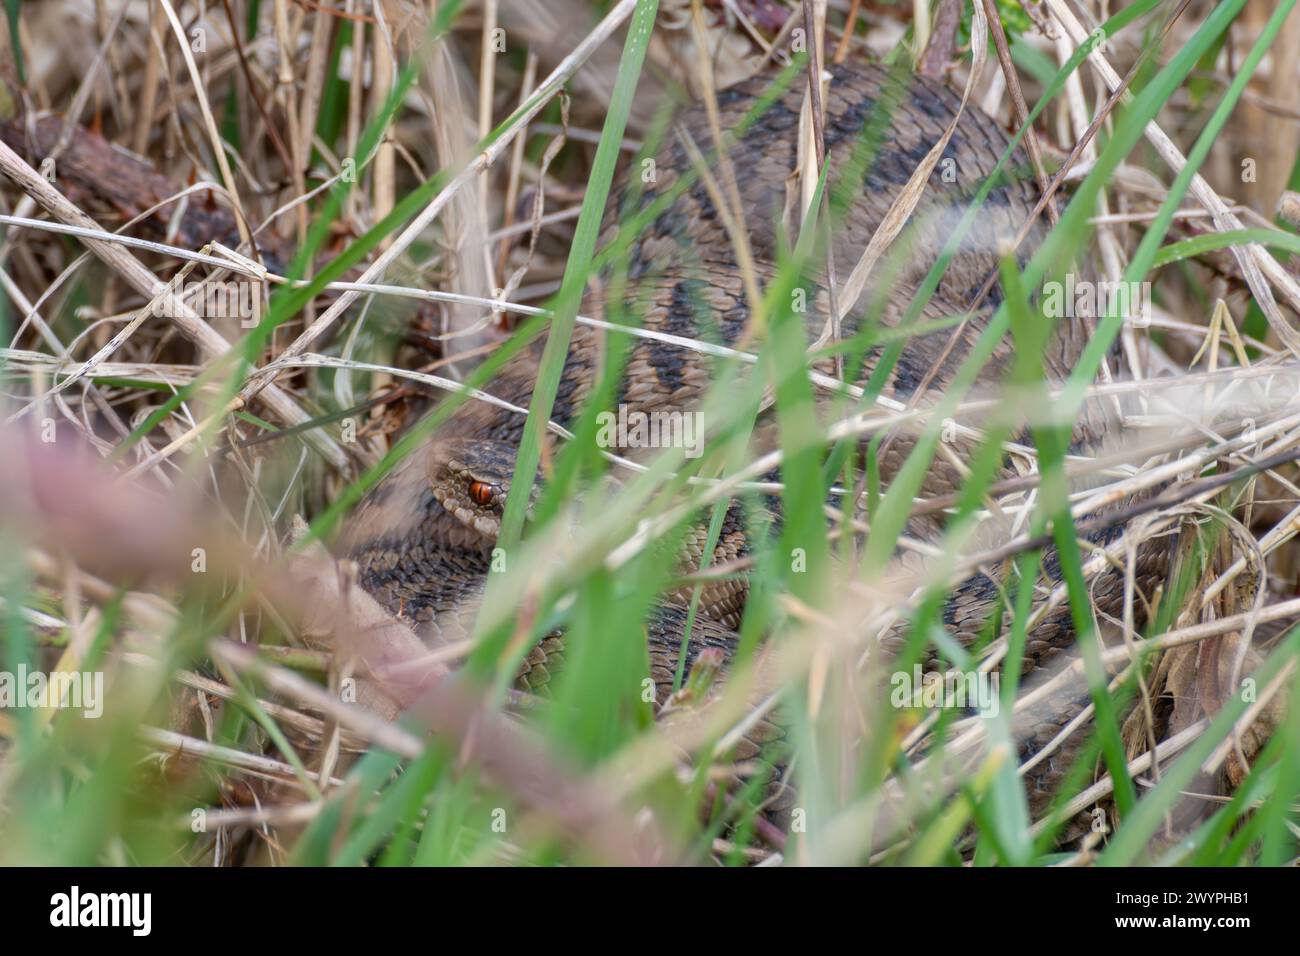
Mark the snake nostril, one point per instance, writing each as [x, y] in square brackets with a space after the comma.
[480, 492]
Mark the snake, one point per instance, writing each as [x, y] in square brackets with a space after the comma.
[423, 538]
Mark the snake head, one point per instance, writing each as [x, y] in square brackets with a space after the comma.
[470, 477]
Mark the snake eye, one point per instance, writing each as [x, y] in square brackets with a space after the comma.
[481, 492]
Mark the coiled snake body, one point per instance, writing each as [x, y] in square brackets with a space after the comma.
[423, 538]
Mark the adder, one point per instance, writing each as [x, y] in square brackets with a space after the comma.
[424, 537]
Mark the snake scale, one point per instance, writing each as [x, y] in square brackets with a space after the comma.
[423, 538]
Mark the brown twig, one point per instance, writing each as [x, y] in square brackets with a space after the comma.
[1018, 99]
[842, 49]
[943, 39]
[259, 95]
[334, 12]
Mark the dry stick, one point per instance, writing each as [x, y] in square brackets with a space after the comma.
[246, 267]
[1018, 99]
[1274, 538]
[179, 745]
[774, 50]
[705, 348]
[243, 267]
[337, 14]
[487, 68]
[807, 150]
[1254, 99]
[383, 182]
[486, 86]
[1214, 762]
[856, 425]
[1061, 175]
[466, 264]
[240, 264]
[1109, 248]
[842, 50]
[312, 726]
[152, 73]
[943, 38]
[313, 360]
[32, 313]
[391, 395]
[211, 342]
[1172, 471]
[562, 72]
[314, 81]
[920, 24]
[281, 814]
[976, 736]
[259, 99]
[1173, 745]
[733, 7]
[1076, 723]
[511, 283]
[355, 82]
[286, 90]
[224, 62]
[507, 753]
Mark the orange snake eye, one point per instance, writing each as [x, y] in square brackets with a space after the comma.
[480, 492]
